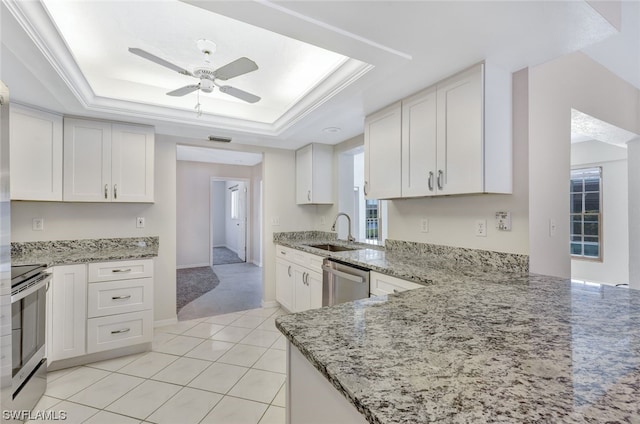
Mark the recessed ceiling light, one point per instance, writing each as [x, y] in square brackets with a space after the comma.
[332, 130]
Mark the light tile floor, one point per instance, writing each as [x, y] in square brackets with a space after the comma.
[224, 369]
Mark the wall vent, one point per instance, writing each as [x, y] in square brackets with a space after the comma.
[220, 139]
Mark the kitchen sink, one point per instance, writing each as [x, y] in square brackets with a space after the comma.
[332, 247]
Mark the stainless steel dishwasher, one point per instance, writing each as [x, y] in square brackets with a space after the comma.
[343, 282]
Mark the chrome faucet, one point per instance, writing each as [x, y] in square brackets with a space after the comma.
[350, 237]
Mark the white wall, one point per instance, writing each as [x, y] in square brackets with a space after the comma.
[614, 267]
[65, 221]
[572, 81]
[193, 205]
[218, 236]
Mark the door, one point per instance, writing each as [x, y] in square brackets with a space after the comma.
[304, 175]
[242, 221]
[87, 161]
[132, 163]
[301, 293]
[284, 284]
[382, 153]
[460, 134]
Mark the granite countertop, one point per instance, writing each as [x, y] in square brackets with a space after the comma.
[66, 252]
[402, 260]
[494, 349]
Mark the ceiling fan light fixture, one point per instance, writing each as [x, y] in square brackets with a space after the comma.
[332, 130]
[206, 85]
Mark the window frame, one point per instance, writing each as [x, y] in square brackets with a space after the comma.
[583, 213]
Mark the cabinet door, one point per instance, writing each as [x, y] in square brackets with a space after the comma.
[87, 161]
[419, 144]
[304, 175]
[132, 157]
[382, 153]
[284, 284]
[314, 281]
[36, 155]
[68, 312]
[302, 296]
[460, 134]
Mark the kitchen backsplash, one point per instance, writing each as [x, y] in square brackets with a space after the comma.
[304, 235]
[462, 256]
[60, 246]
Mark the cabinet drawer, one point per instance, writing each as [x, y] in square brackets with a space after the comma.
[284, 252]
[118, 331]
[116, 297]
[120, 270]
[308, 260]
[382, 284]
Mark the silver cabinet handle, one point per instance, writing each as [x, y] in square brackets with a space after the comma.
[115, 191]
[440, 179]
[106, 191]
[124, 330]
[304, 279]
[121, 297]
[366, 183]
[430, 180]
[396, 291]
[309, 195]
[289, 271]
[283, 253]
[121, 270]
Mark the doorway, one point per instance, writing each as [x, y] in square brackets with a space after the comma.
[228, 220]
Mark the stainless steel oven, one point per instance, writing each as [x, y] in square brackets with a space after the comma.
[29, 285]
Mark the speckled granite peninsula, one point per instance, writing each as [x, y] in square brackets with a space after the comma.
[62, 252]
[531, 349]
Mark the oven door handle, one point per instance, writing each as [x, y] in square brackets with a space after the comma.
[341, 274]
[24, 293]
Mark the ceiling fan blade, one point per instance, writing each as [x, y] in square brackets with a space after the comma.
[236, 68]
[241, 94]
[158, 60]
[184, 90]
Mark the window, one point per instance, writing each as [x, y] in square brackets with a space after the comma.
[234, 204]
[586, 213]
[373, 220]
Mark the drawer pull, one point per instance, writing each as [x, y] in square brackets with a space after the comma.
[121, 297]
[396, 291]
[124, 330]
[121, 270]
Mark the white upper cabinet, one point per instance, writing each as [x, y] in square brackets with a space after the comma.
[132, 163]
[382, 152]
[36, 154]
[419, 139]
[314, 174]
[460, 149]
[105, 162]
[455, 138]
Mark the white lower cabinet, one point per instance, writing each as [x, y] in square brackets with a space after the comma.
[68, 312]
[381, 284]
[121, 330]
[93, 309]
[298, 279]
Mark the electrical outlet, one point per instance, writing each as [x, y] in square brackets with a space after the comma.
[37, 224]
[503, 221]
[424, 225]
[481, 228]
[140, 222]
[275, 220]
[552, 227]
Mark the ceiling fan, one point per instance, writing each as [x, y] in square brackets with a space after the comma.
[208, 75]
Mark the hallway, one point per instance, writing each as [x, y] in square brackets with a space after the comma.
[240, 289]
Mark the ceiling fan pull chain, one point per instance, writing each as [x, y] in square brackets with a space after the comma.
[198, 107]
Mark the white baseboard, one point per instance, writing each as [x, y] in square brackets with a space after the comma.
[256, 263]
[163, 322]
[219, 245]
[232, 249]
[269, 304]
[193, 265]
